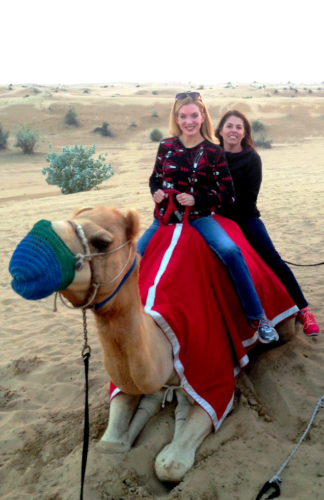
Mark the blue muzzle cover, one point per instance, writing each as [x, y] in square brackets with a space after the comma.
[41, 264]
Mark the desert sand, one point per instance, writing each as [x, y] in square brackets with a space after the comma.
[41, 369]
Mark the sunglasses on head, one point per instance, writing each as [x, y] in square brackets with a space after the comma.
[184, 95]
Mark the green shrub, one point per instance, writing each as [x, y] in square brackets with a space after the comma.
[201, 87]
[154, 114]
[26, 139]
[133, 124]
[154, 92]
[156, 135]
[310, 91]
[71, 118]
[74, 170]
[285, 88]
[3, 138]
[276, 91]
[104, 130]
[257, 126]
[305, 88]
[261, 142]
[319, 88]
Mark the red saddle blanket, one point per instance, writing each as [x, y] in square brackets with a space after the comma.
[187, 291]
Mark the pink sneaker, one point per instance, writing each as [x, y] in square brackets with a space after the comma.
[308, 322]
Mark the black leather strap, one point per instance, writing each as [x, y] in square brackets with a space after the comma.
[86, 423]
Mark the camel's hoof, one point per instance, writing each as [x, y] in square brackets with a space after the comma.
[112, 447]
[170, 468]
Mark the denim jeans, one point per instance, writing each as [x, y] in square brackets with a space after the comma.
[229, 254]
[255, 232]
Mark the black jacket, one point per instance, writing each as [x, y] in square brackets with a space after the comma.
[246, 171]
[201, 171]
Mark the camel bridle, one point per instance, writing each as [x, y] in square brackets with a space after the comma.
[87, 256]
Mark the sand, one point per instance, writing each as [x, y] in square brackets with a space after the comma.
[41, 369]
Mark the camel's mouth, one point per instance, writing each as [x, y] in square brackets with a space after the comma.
[41, 263]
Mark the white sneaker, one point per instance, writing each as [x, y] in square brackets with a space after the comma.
[267, 333]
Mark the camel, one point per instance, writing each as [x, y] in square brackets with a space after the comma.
[137, 355]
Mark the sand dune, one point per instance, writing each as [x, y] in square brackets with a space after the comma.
[41, 370]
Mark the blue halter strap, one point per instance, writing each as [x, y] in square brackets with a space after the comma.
[98, 306]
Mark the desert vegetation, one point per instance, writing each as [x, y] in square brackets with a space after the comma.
[257, 126]
[3, 137]
[74, 170]
[262, 142]
[71, 117]
[26, 139]
[104, 130]
[156, 135]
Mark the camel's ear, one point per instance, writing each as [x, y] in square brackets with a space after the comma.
[132, 224]
[79, 211]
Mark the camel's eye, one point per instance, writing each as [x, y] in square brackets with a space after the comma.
[101, 245]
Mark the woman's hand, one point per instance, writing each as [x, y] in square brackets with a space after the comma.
[187, 200]
[159, 195]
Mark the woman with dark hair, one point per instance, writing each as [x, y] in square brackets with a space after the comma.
[234, 135]
[191, 162]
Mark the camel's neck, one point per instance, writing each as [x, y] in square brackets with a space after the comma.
[136, 353]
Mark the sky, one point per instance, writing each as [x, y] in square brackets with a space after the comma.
[202, 42]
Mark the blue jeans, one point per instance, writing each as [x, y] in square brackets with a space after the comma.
[255, 232]
[229, 254]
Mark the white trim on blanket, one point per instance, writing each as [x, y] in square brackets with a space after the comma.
[179, 366]
[242, 363]
[173, 338]
[252, 340]
[114, 393]
[166, 258]
[284, 315]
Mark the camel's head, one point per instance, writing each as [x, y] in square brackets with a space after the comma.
[47, 260]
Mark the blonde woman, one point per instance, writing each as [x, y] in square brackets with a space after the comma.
[191, 162]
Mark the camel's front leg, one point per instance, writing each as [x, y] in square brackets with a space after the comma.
[192, 426]
[116, 438]
[149, 406]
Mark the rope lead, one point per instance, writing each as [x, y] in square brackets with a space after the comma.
[276, 481]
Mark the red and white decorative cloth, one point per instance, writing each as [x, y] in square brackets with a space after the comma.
[187, 291]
